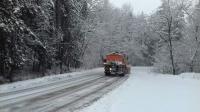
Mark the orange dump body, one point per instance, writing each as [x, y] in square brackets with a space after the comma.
[115, 58]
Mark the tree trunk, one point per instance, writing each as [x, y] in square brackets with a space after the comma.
[61, 67]
[171, 46]
[172, 58]
[195, 54]
[10, 76]
[196, 32]
[191, 68]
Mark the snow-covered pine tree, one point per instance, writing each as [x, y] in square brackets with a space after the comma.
[70, 16]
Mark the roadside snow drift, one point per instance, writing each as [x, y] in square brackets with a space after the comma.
[45, 80]
[146, 91]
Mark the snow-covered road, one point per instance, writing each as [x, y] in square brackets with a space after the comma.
[146, 91]
[61, 93]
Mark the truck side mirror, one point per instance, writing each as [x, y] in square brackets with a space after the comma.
[104, 60]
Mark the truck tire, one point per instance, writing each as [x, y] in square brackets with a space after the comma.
[122, 75]
[107, 74]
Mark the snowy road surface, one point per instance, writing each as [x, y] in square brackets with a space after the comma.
[146, 91]
[57, 93]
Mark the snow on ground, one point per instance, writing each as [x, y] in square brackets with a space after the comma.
[45, 80]
[146, 91]
[191, 75]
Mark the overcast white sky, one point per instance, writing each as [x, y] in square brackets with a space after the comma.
[147, 6]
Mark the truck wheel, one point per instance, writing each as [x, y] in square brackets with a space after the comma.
[122, 75]
[107, 74]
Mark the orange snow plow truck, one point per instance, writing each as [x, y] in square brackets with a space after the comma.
[116, 64]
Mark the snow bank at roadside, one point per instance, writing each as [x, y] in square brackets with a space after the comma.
[45, 80]
[191, 75]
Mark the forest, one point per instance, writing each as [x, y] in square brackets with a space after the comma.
[49, 37]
